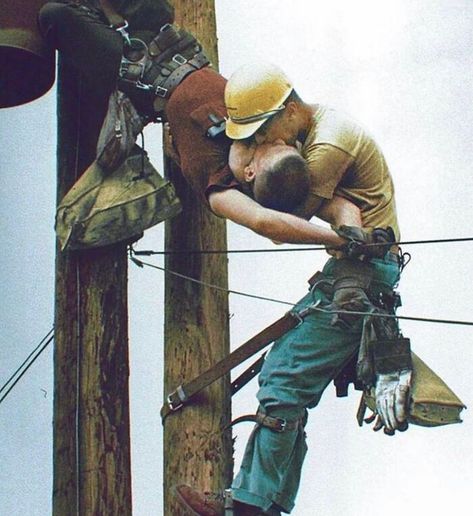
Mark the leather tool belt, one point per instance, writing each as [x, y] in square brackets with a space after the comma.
[432, 402]
[150, 73]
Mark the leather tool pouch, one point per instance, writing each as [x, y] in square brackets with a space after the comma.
[432, 402]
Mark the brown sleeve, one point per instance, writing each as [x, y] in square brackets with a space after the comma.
[221, 180]
[327, 166]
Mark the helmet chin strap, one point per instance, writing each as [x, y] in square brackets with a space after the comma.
[256, 118]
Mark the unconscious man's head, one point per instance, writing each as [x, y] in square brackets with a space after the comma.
[277, 173]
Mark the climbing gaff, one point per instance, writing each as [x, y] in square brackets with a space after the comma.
[27, 65]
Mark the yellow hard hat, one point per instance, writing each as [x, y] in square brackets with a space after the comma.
[254, 93]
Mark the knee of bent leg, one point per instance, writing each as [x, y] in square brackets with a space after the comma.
[50, 15]
[288, 412]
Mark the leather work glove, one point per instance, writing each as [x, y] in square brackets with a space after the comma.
[392, 401]
[360, 241]
[392, 361]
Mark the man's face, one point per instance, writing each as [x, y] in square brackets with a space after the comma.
[247, 159]
[281, 126]
[241, 155]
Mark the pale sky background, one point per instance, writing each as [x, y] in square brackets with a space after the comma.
[404, 69]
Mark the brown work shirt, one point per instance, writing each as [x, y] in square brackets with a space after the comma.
[204, 160]
[345, 160]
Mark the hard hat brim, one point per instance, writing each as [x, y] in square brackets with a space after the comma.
[242, 131]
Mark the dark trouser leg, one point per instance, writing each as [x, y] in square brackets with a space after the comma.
[83, 38]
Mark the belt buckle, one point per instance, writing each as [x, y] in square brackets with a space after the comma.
[122, 30]
[173, 403]
[179, 59]
[282, 424]
[161, 92]
[134, 69]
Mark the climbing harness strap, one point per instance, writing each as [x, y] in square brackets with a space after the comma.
[184, 393]
[150, 73]
[276, 424]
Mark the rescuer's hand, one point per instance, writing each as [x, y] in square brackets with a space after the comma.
[392, 401]
[366, 244]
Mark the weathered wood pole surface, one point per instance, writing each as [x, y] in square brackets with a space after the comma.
[196, 320]
[91, 410]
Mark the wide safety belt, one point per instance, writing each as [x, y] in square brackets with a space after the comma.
[184, 393]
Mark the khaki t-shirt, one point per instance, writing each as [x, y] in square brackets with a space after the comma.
[346, 161]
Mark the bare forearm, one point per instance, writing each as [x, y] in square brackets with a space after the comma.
[340, 211]
[275, 225]
[283, 227]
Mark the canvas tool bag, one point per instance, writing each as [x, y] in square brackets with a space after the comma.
[103, 208]
[121, 126]
[433, 403]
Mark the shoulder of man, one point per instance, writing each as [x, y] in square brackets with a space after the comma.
[335, 127]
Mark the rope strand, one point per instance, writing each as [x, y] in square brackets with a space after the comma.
[279, 301]
[42, 345]
[293, 249]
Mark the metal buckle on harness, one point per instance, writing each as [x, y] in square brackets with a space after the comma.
[125, 67]
[173, 403]
[161, 92]
[142, 86]
[282, 422]
[305, 311]
[179, 59]
[122, 29]
[228, 502]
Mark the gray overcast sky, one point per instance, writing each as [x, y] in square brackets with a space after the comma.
[403, 68]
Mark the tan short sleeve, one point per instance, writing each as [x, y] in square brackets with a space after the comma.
[328, 165]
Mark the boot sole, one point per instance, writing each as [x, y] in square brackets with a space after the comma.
[184, 503]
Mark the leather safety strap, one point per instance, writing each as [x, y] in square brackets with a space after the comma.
[247, 375]
[277, 424]
[185, 392]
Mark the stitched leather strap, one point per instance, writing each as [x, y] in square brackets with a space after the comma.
[277, 424]
[184, 393]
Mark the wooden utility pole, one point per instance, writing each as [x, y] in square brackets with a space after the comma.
[91, 412]
[196, 333]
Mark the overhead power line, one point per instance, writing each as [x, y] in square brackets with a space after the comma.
[292, 249]
[273, 300]
[27, 363]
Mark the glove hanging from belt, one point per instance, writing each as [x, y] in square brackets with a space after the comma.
[384, 359]
[384, 366]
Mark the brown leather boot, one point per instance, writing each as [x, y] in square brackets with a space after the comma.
[200, 503]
